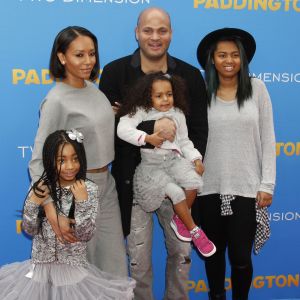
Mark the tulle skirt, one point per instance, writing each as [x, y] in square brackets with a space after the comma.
[25, 281]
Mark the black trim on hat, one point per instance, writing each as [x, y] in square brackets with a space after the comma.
[245, 37]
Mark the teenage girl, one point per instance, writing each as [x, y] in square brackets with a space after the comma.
[240, 159]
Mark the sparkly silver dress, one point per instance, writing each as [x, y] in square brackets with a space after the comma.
[58, 270]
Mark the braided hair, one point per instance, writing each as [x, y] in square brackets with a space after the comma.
[54, 143]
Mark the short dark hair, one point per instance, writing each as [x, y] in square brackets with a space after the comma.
[244, 89]
[61, 44]
[139, 94]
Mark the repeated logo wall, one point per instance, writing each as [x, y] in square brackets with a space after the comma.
[28, 28]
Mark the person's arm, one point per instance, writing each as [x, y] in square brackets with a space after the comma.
[268, 146]
[86, 205]
[61, 225]
[165, 126]
[186, 145]
[127, 131]
[31, 221]
[50, 115]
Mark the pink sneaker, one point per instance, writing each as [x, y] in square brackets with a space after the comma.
[203, 244]
[180, 230]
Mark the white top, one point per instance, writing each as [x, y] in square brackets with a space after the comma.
[240, 156]
[127, 131]
[87, 110]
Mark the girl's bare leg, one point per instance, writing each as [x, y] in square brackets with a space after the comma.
[182, 209]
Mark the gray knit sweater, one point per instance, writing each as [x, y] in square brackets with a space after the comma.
[240, 157]
[86, 110]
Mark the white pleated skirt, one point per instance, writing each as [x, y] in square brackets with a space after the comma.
[24, 281]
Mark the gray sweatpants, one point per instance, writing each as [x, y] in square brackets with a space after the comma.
[139, 244]
[106, 249]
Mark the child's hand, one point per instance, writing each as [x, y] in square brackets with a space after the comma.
[79, 190]
[199, 168]
[154, 139]
[40, 194]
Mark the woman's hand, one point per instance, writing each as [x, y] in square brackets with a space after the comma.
[79, 190]
[264, 199]
[60, 225]
[199, 167]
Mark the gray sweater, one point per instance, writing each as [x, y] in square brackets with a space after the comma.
[86, 110]
[240, 157]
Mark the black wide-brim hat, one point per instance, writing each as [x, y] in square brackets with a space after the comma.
[245, 37]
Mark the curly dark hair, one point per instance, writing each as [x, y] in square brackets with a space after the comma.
[139, 94]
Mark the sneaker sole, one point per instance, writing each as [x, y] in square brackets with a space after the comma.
[212, 252]
[180, 237]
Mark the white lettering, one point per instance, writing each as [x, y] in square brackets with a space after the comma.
[278, 77]
[24, 150]
[284, 216]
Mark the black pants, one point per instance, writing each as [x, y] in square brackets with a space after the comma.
[235, 232]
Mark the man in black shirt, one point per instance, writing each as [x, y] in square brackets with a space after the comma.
[153, 34]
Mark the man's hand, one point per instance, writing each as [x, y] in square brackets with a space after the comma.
[166, 128]
[154, 139]
[264, 199]
[116, 107]
[61, 225]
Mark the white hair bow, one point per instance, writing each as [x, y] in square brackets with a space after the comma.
[75, 135]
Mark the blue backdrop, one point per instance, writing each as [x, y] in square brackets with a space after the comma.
[28, 28]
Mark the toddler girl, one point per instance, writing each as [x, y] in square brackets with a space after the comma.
[172, 169]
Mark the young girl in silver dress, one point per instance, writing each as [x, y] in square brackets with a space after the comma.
[172, 169]
[59, 270]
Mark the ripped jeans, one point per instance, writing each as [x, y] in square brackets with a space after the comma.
[139, 247]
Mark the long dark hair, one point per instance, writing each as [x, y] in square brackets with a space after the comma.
[139, 94]
[50, 176]
[244, 89]
[61, 44]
